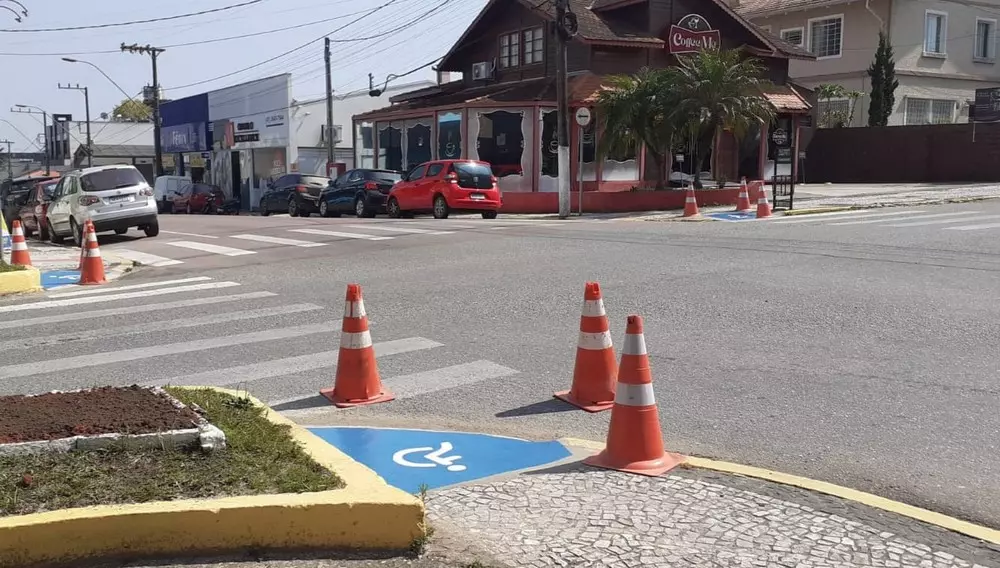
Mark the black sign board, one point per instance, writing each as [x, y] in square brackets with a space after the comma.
[987, 105]
[784, 156]
[780, 137]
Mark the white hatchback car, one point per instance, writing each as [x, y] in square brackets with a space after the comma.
[114, 198]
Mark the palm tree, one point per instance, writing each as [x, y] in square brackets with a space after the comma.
[636, 111]
[719, 89]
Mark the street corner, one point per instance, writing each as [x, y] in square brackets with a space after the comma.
[412, 459]
[21, 281]
[818, 210]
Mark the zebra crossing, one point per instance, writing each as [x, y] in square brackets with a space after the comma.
[173, 248]
[201, 331]
[966, 220]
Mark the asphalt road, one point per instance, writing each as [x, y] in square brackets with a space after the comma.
[861, 354]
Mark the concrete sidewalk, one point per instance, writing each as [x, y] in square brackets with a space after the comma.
[59, 264]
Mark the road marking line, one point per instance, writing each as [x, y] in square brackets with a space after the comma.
[157, 326]
[401, 229]
[214, 249]
[108, 298]
[145, 258]
[290, 365]
[342, 235]
[914, 218]
[189, 234]
[841, 215]
[439, 223]
[76, 316]
[278, 241]
[945, 221]
[170, 349]
[973, 227]
[446, 378]
[92, 291]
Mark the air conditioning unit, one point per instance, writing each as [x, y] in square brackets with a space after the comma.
[338, 134]
[482, 70]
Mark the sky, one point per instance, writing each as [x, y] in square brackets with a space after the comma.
[31, 66]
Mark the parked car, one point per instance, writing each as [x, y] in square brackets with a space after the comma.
[295, 194]
[193, 198]
[164, 187]
[115, 198]
[36, 207]
[222, 205]
[361, 191]
[445, 186]
[14, 193]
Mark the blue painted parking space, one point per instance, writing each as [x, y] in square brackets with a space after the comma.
[408, 459]
[734, 216]
[56, 278]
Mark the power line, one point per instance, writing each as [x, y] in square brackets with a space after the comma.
[303, 46]
[136, 22]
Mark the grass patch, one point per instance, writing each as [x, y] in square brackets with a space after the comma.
[4, 267]
[261, 458]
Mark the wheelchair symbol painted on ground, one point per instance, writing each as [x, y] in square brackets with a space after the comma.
[434, 457]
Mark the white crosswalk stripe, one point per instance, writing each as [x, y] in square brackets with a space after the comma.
[911, 217]
[944, 221]
[278, 241]
[916, 219]
[405, 230]
[146, 258]
[214, 249]
[321, 232]
[262, 342]
[838, 216]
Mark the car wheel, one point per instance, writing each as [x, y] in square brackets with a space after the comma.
[43, 230]
[263, 209]
[76, 232]
[121, 231]
[27, 232]
[293, 209]
[361, 208]
[53, 237]
[324, 209]
[152, 229]
[392, 208]
[489, 214]
[440, 207]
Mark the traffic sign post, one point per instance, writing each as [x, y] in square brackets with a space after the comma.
[782, 187]
[583, 118]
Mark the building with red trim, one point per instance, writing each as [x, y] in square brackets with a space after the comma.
[503, 109]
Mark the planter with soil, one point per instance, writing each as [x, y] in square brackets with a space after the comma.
[92, 419]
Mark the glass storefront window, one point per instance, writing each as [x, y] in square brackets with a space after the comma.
[364, 145]
[501, 141]
[449, 142]
[621, 166]
[418, 142]
[548, 151]
[390, 146]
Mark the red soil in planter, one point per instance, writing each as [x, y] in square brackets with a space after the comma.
[105, 410]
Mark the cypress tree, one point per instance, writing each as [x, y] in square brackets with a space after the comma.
[882, 72]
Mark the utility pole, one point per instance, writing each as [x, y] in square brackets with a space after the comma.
[45, 130]
[153, 52]
[86, 102]
[10, 167]
[329, 108]
[566, 28]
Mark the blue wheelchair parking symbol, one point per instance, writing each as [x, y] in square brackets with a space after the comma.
[408, 459]
[55, 278]
[734, 216]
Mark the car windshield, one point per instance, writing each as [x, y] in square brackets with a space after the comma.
[49, 188]
[115, 178]
[384, 175]
[472, 175]
[315, 181]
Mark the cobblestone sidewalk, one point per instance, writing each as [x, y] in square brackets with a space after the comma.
[580, 516]
[919, 197]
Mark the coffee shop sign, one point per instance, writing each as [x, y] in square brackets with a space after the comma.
[691, 35]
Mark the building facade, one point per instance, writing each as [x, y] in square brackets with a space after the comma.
[944, 51]
[65, 136]
[503, 110]
[186, 135]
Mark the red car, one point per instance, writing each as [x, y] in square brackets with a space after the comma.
[36, 207]
[445, 186]
[193, 198]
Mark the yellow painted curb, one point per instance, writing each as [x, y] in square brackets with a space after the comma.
[19, 281]
[930, 517]
[815, 210]
[367, 514]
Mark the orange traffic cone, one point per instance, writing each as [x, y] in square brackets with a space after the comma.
[92, 267]
[357, 380]
[87, 225]
[690, 203]
[763, 207]
[635, 444]
[19, 247]
[595, 372]
[743, 199]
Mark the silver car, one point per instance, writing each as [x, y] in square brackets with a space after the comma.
[114, 198]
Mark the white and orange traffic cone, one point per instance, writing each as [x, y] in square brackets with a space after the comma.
[635, 444]
[357, 382]
[19, 247]
[763, 207]
[87, 225]
[92, 267]
[743, 199]
[596, 371]
[690, 203]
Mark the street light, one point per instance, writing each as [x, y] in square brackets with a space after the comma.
[86, 102]
[45, 130]
[101, 71]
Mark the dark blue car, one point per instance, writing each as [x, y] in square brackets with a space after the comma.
[361, 191]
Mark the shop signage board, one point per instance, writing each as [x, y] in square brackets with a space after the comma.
[691, 35]
[987, 105]
[182, 138]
